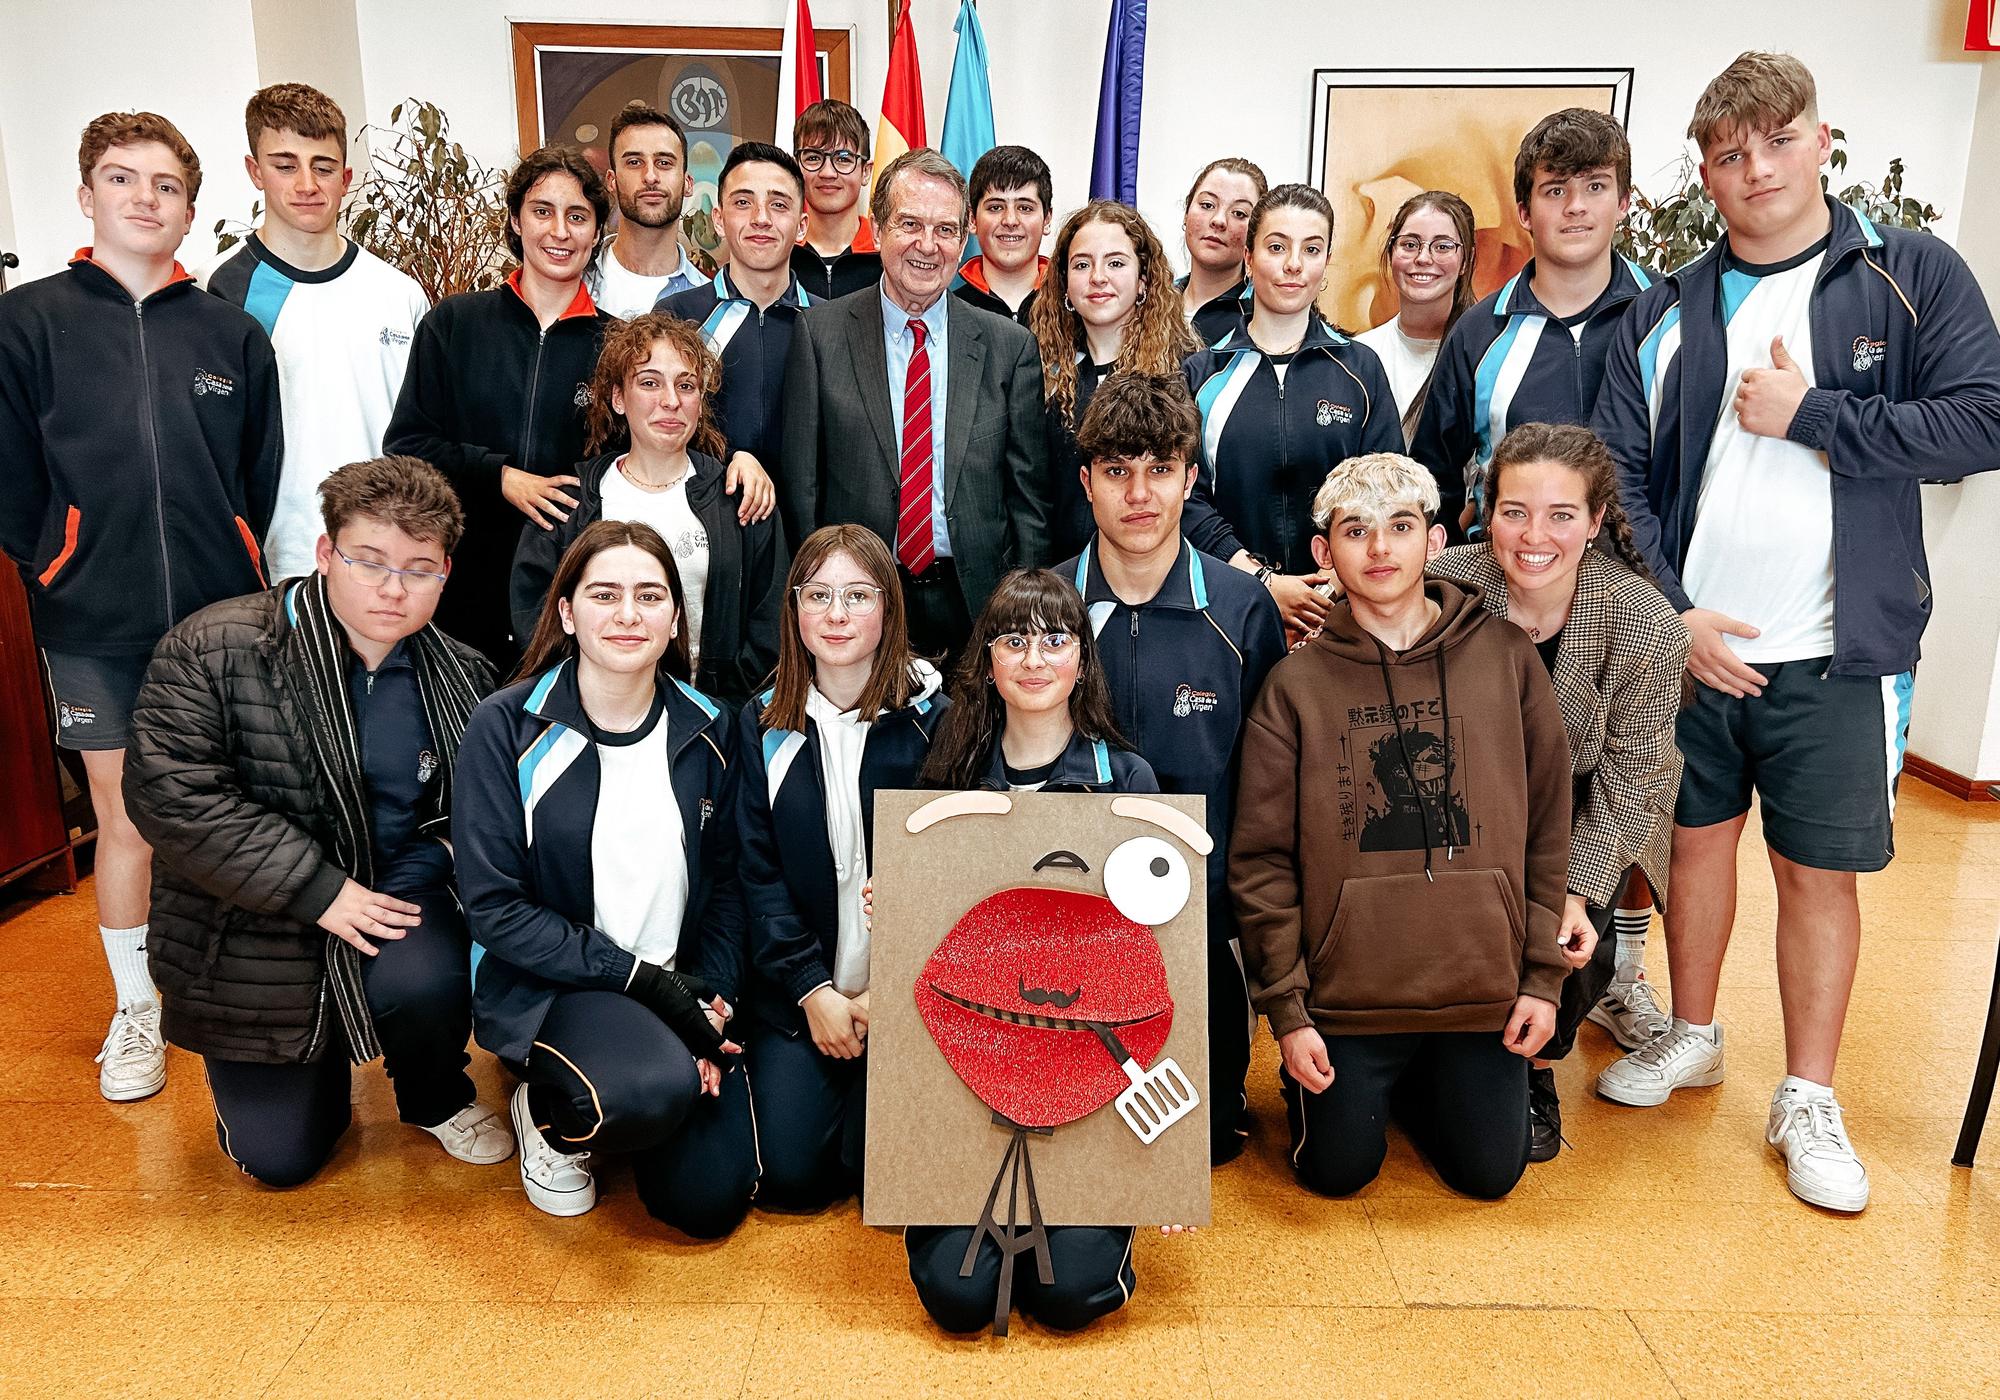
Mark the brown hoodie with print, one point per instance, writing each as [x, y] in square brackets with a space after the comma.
[1402, 829]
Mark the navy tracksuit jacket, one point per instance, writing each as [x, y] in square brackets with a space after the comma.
[1509, 360]
[1907, 364]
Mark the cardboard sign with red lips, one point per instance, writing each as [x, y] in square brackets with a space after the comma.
[1017, 939]
[991, 997]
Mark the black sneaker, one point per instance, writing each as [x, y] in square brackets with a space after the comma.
[1545, 1119]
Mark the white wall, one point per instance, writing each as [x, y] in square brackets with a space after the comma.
[1955, 719]
[63, 62]
[1224, 76]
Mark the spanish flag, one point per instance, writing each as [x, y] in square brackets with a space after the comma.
[902, 125]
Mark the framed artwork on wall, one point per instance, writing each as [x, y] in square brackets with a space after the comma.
[1382, 135]
[721, 83]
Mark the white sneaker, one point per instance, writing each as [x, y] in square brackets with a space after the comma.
[475, 1134]
[1632, 1013]
[1820, 1165]
[134, 1056]
[557, 1182]
[1680, 1059]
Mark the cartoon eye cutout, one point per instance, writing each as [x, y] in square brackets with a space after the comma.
[1147, 879]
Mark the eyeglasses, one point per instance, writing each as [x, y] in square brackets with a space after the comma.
[813, 158]
[372, 575]
[910, 228]
[1013, 647]
[856, 600]
[1409, 245]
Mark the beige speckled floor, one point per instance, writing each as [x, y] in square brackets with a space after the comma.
[1660, 1255]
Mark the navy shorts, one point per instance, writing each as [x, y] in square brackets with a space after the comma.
[92, 697]
[1822, 752]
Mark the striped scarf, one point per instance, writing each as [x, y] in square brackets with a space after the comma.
[319, 643]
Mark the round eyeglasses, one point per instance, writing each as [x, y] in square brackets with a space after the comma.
[1013, 647]
[813, 158]
[856, 599]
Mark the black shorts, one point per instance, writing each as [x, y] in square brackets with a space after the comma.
[1823, 752]
[92, 697]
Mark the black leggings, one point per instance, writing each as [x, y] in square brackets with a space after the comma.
[1461, 1095]
[1232, 1024]
[1585, 985]
[813, 1122]
[1092, 1266]
[280, 1122]
[606, 1075]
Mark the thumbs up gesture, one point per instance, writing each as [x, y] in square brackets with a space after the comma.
[1768, 399]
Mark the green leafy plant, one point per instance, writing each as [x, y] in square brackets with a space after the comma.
[1675, 229]
[425, 206]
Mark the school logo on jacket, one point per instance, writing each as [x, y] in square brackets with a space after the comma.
[427, 766]
[1867, 353]
[391, 337]
[1189, 701]
[207, 383]
[1331, 413]
[707, 811]
[581, 398]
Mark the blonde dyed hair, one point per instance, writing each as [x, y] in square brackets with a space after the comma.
[1374, 485]
[1758, 92]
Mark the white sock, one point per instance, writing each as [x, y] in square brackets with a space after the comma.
[1707, 1030]
[1631, 925]
[1804, 1088]
[125, 950]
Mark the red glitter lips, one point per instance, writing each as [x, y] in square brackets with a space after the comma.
[1010, 993]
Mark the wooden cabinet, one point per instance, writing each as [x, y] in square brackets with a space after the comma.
[34, 833]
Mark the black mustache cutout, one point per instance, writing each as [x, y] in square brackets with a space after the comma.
[1036, 996]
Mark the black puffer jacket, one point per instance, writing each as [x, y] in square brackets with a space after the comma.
[222, 779]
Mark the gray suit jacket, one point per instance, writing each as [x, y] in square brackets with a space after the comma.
[842, 462]
[1618, 679]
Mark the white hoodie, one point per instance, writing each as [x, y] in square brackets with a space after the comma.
[842, 736]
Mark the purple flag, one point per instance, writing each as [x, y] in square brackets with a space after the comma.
[1114, 167]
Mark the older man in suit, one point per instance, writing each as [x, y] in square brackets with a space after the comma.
[920, 416]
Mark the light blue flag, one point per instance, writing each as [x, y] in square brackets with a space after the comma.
[968, 110]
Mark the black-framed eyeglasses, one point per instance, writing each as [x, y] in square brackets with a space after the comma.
[372, 575]
[1409, 245]
[814, 158]
[856, 599]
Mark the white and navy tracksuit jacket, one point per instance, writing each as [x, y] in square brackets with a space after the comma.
[753, 346]
[790, 890]
[1508, 361]
[1906, 362]
[1267, 443]
[523, 803]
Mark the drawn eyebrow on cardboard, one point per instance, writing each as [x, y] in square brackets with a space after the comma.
[998, 804]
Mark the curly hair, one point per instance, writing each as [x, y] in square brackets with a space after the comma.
[1157, 336]
[626, 348]
[1583, 452]
[133, 129]
[1026, 600]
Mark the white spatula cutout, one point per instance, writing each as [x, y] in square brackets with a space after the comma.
[1159, 1097]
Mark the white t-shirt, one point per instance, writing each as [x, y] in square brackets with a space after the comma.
[1762, 550]
[625, 294]
[638, 848]
[342, 337]
[843, 735]
[668, 512]
[1407, 361]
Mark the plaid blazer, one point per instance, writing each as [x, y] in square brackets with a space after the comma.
[1618, 679]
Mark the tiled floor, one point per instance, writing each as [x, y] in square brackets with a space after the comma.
[1660, 1255]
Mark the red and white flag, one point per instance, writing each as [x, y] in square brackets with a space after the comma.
[798, 70]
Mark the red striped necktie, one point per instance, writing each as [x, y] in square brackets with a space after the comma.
[915, 549]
